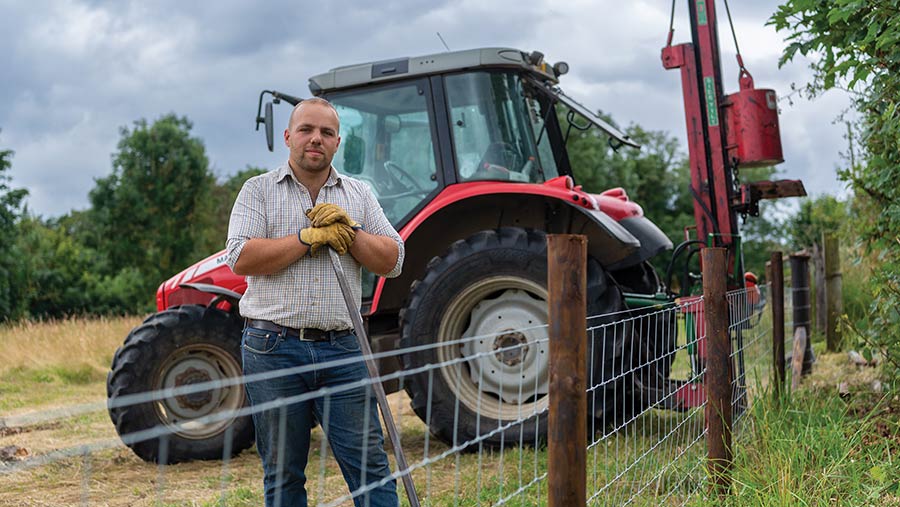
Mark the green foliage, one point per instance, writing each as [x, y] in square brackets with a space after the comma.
[218, 207]
[816, 217]
[656, 176]
[854, 46]
[148, 212]
[814, 448]
[12, 276]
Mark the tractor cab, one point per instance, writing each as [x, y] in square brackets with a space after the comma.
[414, 126]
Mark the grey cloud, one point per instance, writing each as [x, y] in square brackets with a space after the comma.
[82, 69]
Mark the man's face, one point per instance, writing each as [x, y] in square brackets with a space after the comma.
[313, 137]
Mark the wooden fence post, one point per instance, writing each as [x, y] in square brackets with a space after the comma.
[819, 277]
[719, 367]
[567, 420]
[777, 281]
[833, 292]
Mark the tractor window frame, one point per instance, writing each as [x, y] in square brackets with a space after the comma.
[552, 126]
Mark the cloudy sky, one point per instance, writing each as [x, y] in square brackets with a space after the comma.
[75, 71]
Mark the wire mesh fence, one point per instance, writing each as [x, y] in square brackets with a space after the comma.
[473, 423]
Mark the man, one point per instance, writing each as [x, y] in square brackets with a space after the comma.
[295, 312]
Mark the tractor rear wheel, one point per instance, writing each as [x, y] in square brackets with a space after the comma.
[480, 312]
[176, 348]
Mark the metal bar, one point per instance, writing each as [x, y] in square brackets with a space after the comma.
[719, 369]
[567, 429]
[777, 281]
[381, 397]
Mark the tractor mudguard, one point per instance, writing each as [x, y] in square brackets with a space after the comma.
[459, 213]
[221, 293]
[652, 239]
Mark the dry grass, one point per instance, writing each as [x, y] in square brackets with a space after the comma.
[71, 342]
[31, 379]
[68, 358]
[46, 365]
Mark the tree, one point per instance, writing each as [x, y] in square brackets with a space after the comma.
[854, 47]
[12, 275]
[218, 207]
[656, 176]
[149, 211]
[815, 217]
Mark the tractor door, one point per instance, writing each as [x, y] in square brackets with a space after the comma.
[387, 140]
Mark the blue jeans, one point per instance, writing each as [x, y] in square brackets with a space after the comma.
[349, 418]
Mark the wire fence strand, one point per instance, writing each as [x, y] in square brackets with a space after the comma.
[485, 446]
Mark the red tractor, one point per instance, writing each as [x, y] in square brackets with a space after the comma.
[466, 152]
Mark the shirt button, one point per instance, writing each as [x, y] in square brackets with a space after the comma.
[316, 279]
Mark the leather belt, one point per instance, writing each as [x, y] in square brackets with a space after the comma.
[306, 334]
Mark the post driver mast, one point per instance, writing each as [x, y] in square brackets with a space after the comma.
[725, 132]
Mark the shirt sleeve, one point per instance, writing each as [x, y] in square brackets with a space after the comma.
[248, 220]
[377, 223]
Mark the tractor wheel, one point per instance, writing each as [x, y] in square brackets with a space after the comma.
[480, 312]
[654, 338]
[176, 348]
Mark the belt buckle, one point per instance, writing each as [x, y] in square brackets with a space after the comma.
[322, 338]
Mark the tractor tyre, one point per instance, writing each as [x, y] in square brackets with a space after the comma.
[479, 321]
[176, 348]
[653, 346]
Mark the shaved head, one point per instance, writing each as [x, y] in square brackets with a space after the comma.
[308, 102]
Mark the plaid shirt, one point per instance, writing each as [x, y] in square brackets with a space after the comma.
[305, 293]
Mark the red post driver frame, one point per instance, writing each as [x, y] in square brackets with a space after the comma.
[701, 81]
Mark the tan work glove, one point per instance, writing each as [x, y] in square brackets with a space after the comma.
[338, 236]
[326, 214]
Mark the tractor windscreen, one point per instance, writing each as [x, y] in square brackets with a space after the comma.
[496, 124]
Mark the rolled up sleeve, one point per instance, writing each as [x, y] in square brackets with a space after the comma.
[248, 220]
[377, 223]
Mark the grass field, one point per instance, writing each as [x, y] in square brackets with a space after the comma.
[815, 449]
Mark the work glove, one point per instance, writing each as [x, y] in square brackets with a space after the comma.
[338, 236]
[327, 213]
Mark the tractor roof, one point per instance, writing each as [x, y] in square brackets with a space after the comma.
[451, 61]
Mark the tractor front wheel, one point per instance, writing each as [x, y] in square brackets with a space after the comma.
[479, 319]
[173, 349]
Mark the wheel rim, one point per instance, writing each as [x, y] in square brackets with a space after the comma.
[197, 364]
[502, 323]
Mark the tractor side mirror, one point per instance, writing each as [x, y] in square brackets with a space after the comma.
[270, 137]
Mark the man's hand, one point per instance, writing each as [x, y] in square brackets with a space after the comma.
[328, 213]
[338, 236]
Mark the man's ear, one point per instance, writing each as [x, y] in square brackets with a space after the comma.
[287, 135]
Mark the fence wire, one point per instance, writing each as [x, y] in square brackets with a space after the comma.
[473, 422]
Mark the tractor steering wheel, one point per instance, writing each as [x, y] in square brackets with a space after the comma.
[398, 175]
